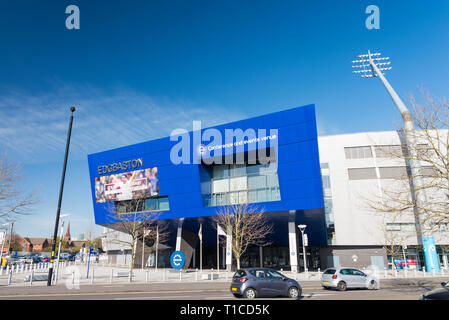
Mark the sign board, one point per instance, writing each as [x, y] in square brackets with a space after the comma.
[177, 260]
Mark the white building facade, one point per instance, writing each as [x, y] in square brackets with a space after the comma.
[357, 169]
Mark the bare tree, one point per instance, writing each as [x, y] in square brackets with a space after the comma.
[430, 151]
[137, 222]
[12, 200]
[248, 224]
[395, 235]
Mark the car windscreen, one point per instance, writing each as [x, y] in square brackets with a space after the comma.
[330, 271]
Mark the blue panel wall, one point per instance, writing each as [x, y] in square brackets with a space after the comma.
[297, 160]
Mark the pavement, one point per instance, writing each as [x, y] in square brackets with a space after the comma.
[73, 282]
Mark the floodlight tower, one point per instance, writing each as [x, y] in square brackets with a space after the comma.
[372, 65]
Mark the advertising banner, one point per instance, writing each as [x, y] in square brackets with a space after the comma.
[127, 185]
[430, 254]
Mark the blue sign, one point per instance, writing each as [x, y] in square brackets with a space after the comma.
[430, 254]
[177, 260]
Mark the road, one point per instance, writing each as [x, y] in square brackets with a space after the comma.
[309, 293]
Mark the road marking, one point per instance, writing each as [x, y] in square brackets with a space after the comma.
[155, 298]
[104, 293]
[313, 295]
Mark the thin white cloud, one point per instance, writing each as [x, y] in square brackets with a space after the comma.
[34, 126]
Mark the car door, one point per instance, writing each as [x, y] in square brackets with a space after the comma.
[276, 282]
[359, 278]
[262, 284]
[347, 277]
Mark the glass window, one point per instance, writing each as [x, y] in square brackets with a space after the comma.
[239, 274]
[326, 182]
[258, 273]
[357, 272]
[330, 271]
[256, 182]
[393, 172]
[273, 274]
[362, 173]
[163, 204]
[345, 271]
[358, 152]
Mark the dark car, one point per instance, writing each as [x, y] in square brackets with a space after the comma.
[263, 282]
[441, 293]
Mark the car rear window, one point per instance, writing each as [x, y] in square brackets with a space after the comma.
[239, 274]
[329, 271]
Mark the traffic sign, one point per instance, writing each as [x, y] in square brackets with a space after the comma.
[177, 260]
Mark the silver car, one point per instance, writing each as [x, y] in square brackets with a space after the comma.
[344, 278]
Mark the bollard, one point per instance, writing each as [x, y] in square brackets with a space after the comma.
[146, 275]
[442, 272]
[385, 272]
[180, 275]
[17, 269]
[1, 270]
[110, 277]
[423, 271]
[196, 274]
[395, 272]
[226, 274]
[31, 277]
[212, 274]
[9, 277]
[319, 273]
[73, 277]
[433, 272]
[414, 272]
[163, 275]
[93, 275]
[7, 269]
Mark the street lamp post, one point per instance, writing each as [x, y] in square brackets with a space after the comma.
[303, 227]
[371, 65]
[60, 241]
[61, 189]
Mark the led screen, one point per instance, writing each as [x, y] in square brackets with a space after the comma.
[127, 185]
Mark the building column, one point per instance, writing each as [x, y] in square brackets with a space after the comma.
[179, 235]
[293, 253]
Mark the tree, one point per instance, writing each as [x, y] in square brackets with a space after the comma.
[13, 242]
[136, 221]
[97, 245]
[12, 200]
[395, 234]
[248, 225]
[430, 152]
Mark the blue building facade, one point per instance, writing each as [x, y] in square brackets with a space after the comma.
[271, 161]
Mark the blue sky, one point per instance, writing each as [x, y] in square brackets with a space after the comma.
[136, 70]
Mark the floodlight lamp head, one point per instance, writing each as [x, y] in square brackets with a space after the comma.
[302, 227]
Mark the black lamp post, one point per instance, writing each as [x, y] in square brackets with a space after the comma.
[55, 234]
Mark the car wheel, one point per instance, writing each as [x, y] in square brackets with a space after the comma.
[250, 293]
[294, 293]
[341, 286]
[372, 285]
